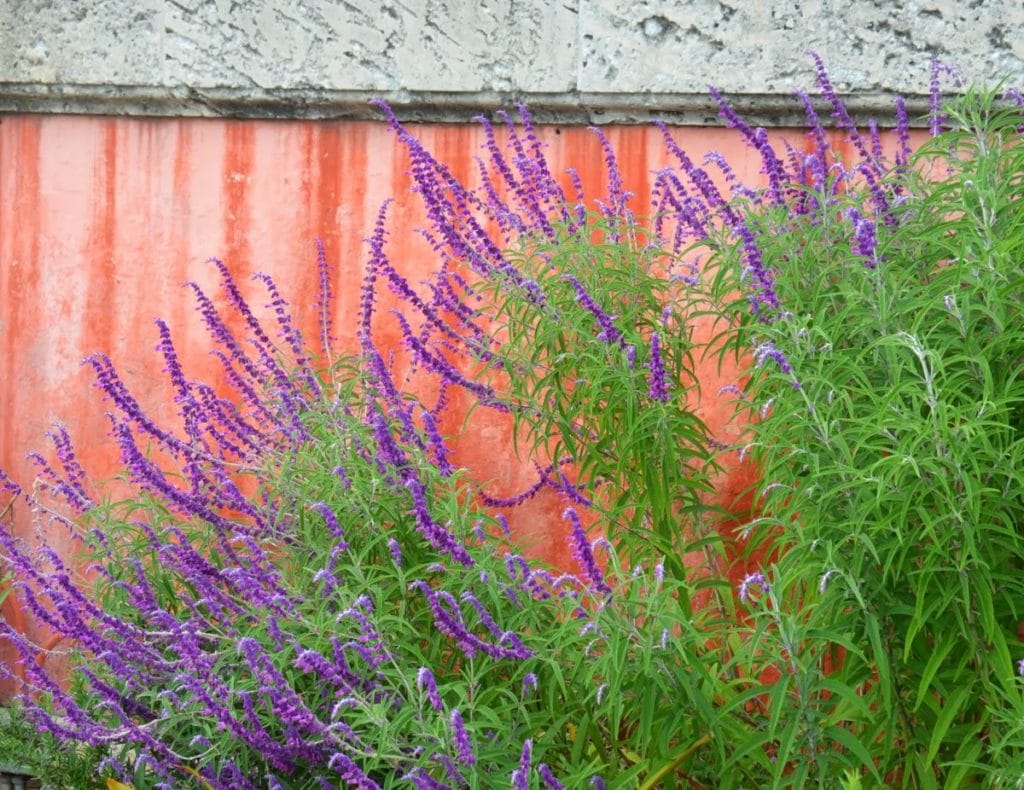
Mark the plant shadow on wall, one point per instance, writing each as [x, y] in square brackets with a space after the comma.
[303, 591]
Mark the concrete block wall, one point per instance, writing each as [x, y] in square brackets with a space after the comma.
[572, 60]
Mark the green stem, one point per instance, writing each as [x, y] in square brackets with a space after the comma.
[654, 779]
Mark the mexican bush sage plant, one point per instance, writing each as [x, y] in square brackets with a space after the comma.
[311, 599]
[886, 416]
[792, 251]
[296, 587]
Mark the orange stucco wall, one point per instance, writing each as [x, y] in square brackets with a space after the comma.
[103, 219]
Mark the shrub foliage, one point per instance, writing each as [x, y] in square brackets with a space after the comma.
[300, 589]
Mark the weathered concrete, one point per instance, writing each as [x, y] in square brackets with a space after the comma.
[458, 45]
[746, 46]
[577, 60]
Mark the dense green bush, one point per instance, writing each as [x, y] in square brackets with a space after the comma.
[301, 591]
[891, 445]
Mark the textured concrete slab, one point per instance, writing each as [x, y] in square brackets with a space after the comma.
[453, 45]
[584, 60]
[759, 46]
[93, 42]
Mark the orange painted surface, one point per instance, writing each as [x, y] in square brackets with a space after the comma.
[103, 219]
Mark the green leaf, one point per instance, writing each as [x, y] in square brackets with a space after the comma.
[950, 710]
[938, 655]
[852, 744]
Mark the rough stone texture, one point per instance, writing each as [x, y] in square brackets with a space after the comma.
[588, 59]
[431, 45]
[746, 46]
[459, 45]
[94, 42]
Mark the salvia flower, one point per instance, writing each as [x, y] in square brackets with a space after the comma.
[438, 536]
[343, 765]
[549, 778]
[864, 239]
[341, 474]
[755, 579]
[757, 138]
[1011, 94]
[520, 776]
[658, 387]
[453, 773]
[331, 521]
[529, 683]
[449, 621]
[767, 350]
[460, 737]
[325, 297]
[437, 444]
[581, 552]
[421, 780]
[609, 333]
[486, 619]
[396, 551]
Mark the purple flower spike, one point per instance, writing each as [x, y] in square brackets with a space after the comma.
[462, 745]
[902, 132]
[864, 239]
[529, 683]
[449, 621]
[549, 778]
[767, 350]
[870, 166]
[331, 520]
[421, 780]
[437, 444]
[617, 196]
[609, 334]
[339, 471]
[584, 557]
[396, 551]
[367, 294]
[326, 297]
[755, 579]
[425, 682]
[597, 783]
[341, 764]
[520, 776]
[658, 388]
[1011, 94]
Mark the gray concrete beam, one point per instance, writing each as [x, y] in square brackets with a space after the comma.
[572, 61]
[435, 106]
